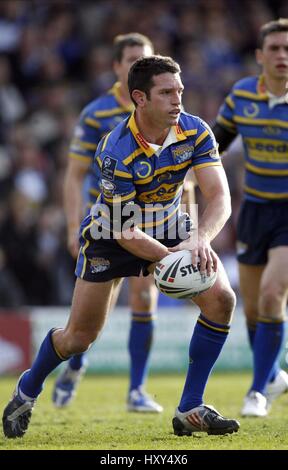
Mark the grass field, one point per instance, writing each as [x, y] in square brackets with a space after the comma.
[98, 419]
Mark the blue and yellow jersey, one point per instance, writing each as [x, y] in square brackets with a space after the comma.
[249, 111]
[132, 170]
[97, 118]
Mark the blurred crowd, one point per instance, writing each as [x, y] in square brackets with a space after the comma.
[55, 56]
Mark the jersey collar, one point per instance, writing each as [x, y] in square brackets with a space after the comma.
[115, 91]
[176, 134]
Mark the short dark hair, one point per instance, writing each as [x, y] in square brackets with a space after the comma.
[276, 26]
[141, 73]
[129, 40]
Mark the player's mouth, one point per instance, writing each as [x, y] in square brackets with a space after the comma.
[175, 113]
[282, 66]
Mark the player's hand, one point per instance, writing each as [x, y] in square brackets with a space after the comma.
[201, 251]
[73, 242]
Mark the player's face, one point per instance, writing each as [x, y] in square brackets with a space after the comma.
[129, 56]
[164, 103]
[274, 56]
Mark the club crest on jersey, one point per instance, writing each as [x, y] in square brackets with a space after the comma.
[184, 152]
[98, 265]
[144, 170]
[251, 110]
[108, 168]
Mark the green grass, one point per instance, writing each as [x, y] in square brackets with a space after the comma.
[98, 419]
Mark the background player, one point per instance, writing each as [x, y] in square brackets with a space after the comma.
[257, 109]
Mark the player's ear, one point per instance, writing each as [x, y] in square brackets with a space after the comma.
[258, 55]
[139, 97]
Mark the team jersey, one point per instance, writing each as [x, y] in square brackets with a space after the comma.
[133, 171]
[249, 111]
[97, 118]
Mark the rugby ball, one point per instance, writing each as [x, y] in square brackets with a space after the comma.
[176, 277]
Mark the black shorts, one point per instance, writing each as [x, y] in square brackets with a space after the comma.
[104, 259]
[261, 227]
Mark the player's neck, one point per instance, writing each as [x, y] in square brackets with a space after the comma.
[124, 94]
[276, 87]
[151, 132]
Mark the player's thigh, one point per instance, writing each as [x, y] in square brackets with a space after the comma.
[249, 282]
[143, 294]
[115, 293]
[218, 303]
[90, 306]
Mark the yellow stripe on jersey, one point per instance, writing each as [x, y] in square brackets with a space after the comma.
[265, 171]
[201, 137]
[109, 112]
[132, 155]
[94, 192]
[78, 156]
[261, 122]
[105, 141]
[204, 165]
[92, 122]
[250, 95]
[84, 145]
[265, 195]
[190, 132]
[119, 199]
[230, 102]
[160, 222]
[227, 124]
[123, 174]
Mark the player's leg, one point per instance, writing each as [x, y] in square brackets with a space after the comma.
[143, 296]
[270, 330]
[89, 309]
[210, 333]
[66, 384]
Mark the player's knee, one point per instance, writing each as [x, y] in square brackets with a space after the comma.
[271, 298]
[79, 342]
[225, 303]
[143, 301]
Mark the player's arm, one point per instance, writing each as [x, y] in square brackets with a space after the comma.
[213, 185]
[140, 244]
[73, 201]
[223, 137]
[188, 195]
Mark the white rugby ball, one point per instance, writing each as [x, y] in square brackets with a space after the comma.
[176, 277]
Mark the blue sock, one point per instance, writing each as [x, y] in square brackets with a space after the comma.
[267, 345]
[251, 335]
[46, 360]
[139, 345]
[77, 361]
[206, 343]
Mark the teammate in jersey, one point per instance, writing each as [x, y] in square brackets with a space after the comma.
[143, 163]
[257, 109]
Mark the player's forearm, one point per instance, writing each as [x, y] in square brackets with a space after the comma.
[73, 203]
[214, 217]
[142, 245]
